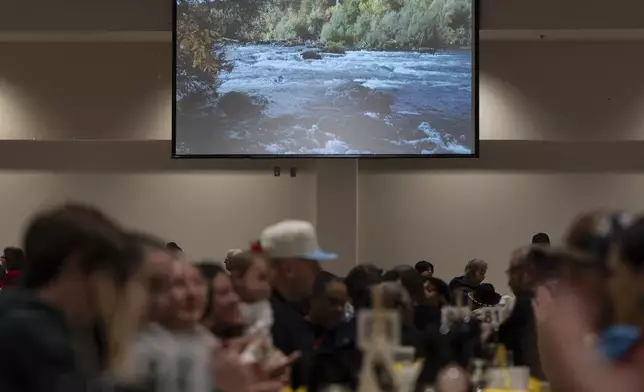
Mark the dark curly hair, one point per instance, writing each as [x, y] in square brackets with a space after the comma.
[359, 282]
[14, 258]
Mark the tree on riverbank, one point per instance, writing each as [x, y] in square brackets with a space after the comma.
[204, 27]
[199, 59]
[368, 23]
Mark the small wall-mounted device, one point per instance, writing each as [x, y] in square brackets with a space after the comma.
[294, 172]
[277, 171]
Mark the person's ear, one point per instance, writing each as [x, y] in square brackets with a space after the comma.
[288, 268]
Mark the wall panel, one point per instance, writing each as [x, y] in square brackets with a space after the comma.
[207, 207]
[449, 217]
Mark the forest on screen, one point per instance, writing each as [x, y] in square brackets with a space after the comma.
[204, 27]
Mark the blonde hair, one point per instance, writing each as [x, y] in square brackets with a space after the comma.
[120, 309]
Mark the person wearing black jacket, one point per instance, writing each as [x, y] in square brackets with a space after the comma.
[518, 332]
[340, 362]
[474, 275]
[295, 258]
[76, 256]
[459, 344]
[326, 333]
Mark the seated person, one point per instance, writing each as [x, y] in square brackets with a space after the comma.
[249, 273]
[437, 292]
[78, 258]
[437, 295]
[327, 332]
[174, 350]
[13, 261]
[517, 332]
[463, 341]
[411, 281]
[423, 312]
[563, 318]
[225, 321]
[358, 281]
[221, 314]
[481, 300]
[339, 361]
[425, 269]
[474, 275]
[484, 296]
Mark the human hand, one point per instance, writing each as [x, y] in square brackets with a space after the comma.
[542, 305]
[562, 318]
[279, 365]
[562, 321]
[229, 372]
[486, 332]
[233, 374]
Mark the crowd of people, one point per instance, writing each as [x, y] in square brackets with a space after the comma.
[87, 304]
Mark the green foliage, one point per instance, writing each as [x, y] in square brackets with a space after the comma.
[401, 24]
[204, 27]
[338, 29]
[367, 23]
[334, 47]
[199, 59]
[236, 16]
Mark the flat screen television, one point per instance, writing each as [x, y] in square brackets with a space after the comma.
[325, 78]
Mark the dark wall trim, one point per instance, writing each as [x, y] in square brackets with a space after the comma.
[154, 155]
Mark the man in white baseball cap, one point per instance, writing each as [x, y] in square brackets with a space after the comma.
[292, 246]
[294, 253]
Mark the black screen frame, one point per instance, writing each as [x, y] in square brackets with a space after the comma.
[475, 113]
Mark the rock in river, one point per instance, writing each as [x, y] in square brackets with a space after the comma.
[311, 55]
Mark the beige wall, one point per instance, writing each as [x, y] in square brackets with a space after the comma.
[98, 15]
[206, 213]
[557, 14]
[204, 208]
[561, 124]
[450, 216]
[564, 91]
[107, 91]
